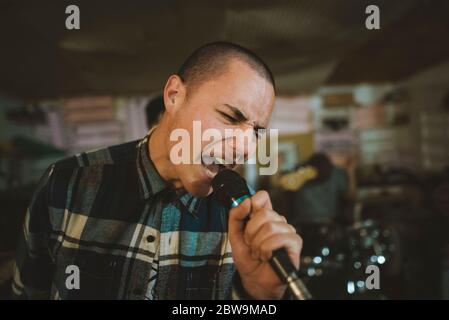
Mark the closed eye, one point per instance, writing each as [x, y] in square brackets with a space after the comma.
[229, 118]
[234, 121]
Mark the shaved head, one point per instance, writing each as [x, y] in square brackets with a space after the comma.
[212, 60]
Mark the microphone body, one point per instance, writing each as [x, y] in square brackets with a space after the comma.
[231, 190]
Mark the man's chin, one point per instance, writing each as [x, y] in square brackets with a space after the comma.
[201, 192]
[199, 189]
[199, 183]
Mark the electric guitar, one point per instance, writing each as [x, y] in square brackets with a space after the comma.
[292, 181]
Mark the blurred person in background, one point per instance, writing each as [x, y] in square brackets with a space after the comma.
[153, 111]
[322, 200]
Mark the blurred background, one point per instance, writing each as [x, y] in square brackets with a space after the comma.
[366, 111]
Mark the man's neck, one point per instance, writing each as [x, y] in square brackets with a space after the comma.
[159, 155]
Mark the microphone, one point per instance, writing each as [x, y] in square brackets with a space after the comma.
[231, 190]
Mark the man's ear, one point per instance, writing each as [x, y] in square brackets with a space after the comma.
[174, 94]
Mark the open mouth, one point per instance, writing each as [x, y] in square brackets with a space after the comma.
[215, 164]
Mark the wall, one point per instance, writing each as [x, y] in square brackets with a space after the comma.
[430, 121]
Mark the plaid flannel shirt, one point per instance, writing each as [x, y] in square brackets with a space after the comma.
[109, 213]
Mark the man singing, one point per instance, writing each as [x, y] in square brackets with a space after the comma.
[135, 225]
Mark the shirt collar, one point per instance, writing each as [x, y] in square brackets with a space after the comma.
[151, 183]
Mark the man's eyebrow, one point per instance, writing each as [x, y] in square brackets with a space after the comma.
[241, 116]
[237, 113]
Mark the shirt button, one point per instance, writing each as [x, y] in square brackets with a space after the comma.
[151, 238]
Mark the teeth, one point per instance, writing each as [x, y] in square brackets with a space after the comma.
[215, 160]
[220, 161]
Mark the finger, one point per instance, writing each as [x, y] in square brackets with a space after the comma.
[267, 231]
[258, 219]
[238, 218]
[259, 200]
[292, 242]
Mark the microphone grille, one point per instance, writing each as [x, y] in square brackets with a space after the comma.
[228, 184]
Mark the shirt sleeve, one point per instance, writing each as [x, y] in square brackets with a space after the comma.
[33, 267]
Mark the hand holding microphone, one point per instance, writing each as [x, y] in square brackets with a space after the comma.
[265, 247]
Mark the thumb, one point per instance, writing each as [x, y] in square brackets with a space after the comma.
[237, 219]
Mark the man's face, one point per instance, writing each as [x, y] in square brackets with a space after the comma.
[237, 99]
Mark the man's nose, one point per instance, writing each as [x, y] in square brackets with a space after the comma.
[242, 146]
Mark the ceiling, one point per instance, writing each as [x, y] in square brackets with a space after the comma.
[131, 47]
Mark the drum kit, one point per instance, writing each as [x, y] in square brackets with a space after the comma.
[339, 257]
[336, 259]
